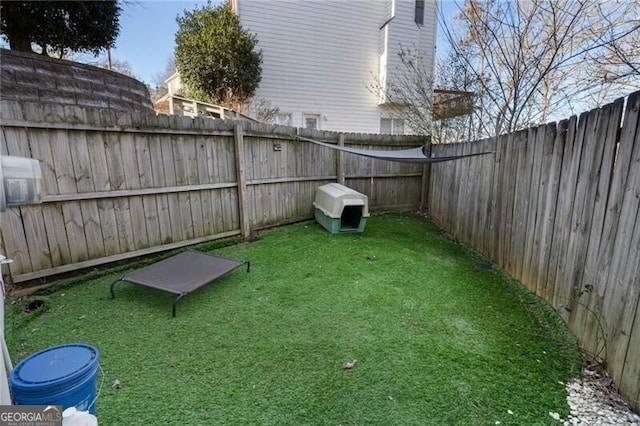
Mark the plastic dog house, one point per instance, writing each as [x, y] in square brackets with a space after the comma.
[340, 209]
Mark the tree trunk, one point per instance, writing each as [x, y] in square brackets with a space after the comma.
[19, 42]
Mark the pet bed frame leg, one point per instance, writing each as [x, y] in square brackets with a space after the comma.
[175, 302]
[113, 284]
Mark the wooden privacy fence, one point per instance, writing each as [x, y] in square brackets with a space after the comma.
[122, 185]
[557, 207]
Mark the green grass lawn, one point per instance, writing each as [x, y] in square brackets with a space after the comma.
[437, 339]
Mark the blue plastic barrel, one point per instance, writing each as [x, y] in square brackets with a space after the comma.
[60, 375]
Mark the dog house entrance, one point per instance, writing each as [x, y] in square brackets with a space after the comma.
[350, 218]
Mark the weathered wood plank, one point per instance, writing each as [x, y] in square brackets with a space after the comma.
[191, 175]
[245, 227]
[518, 219]
[552, 168]
[106, 211]
[202, 174]
[508, 191]
[532, 239]
[570, 159]
[497, 198]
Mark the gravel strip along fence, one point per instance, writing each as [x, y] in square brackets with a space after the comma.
[594, 401]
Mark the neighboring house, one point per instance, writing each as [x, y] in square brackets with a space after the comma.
[322, 58]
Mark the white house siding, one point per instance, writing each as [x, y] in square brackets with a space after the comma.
[322, 56]
[405, 34]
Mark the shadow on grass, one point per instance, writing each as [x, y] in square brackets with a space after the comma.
[439, 337]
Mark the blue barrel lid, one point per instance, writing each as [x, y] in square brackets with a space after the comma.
[64, 364]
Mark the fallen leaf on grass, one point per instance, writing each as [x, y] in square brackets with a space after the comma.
[349, 364]
[81, 317]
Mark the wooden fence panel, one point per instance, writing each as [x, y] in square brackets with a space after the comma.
[557, 207]
[563, 207]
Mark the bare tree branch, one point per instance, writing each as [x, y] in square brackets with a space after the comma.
[532, 59]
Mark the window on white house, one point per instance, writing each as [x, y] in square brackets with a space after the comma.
[419, 12]
[283, 119]
[311, 121]
[392, 126]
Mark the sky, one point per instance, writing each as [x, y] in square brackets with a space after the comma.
[147, 34]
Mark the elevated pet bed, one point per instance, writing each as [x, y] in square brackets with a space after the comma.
[181, 274]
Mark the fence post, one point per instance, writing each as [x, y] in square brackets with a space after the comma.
[426, 177]
[340, 161]
[245, 229]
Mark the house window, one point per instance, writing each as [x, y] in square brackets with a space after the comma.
[283, 119]
[311, 121]
[392, 126]
[419, 12]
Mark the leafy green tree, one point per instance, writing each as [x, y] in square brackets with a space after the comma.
[57, 26]
[216, 57]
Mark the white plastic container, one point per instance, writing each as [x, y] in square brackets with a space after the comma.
[72, 417]
[20, 181]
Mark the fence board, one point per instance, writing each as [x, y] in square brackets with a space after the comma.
[532, 229]
[497, 199]
[106, 211]
[484, 177]
[149, 202]
[175, 212]
[552, 164]
[195, 199]
[508, 191]
[563, 215]
[71, 212]
[518, 220]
